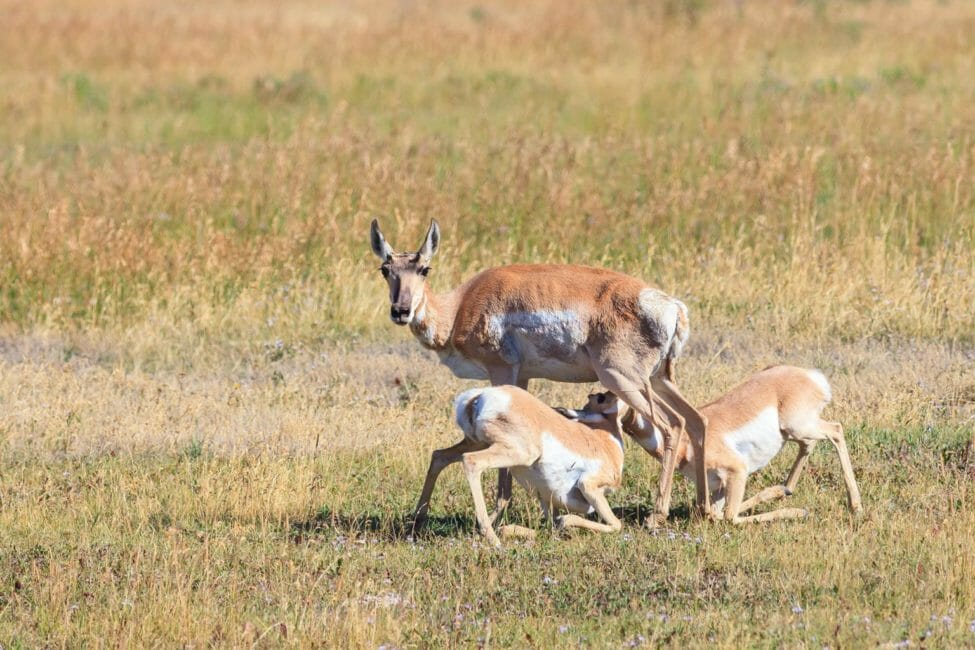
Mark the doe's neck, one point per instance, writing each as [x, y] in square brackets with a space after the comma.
[433, 319]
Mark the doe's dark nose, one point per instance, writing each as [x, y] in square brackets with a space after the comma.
[399, 314]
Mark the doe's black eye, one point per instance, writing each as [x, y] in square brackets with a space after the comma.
[384, 270]
[424, 271]
[600, 398]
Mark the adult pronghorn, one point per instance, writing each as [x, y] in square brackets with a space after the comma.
[747, 427]
[562, 322]
[569, 466]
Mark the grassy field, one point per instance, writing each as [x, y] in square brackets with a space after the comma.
[210, 433]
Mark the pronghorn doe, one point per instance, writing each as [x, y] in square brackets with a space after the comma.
[562, 322]
[566, 464]
[747, 427]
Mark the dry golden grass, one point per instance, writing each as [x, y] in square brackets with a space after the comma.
[210, 434]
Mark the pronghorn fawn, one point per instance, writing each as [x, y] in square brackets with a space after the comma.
[561, 322]
[568, 465]
[747, 427]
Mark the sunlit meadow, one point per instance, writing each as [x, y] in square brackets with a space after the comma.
[210, 433]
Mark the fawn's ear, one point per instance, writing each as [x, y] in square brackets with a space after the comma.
[431, 242]
[586, 417]
[570, 414]
[379, 246]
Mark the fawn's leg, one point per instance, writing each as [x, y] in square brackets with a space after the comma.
[805, 448]
[766, 495]
[834, 431]
[597, 499]
[475, 462]
[440, 459]
[736, 489]
[780, 491]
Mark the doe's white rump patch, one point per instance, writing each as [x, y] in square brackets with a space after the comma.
[660, 308]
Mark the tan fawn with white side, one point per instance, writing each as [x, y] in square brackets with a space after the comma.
[561, 322]
[747, 427]
[569, 466]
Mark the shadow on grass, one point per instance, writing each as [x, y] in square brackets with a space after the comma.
[389, 528]
[385, 527]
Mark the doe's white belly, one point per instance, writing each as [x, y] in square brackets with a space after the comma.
[758, 441]
[557, 474]
[461, 366]
[544, 344]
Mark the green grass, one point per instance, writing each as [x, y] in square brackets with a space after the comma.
[166, 548]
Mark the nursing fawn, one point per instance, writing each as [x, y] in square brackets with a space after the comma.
[747, 427]
[568, 465]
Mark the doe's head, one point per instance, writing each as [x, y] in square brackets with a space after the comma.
[405, 273]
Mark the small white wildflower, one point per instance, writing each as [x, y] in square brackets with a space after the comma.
[549, 581]
[797, 608]
[563, 629]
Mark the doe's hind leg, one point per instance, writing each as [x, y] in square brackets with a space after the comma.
[695, 424]
[632, 392]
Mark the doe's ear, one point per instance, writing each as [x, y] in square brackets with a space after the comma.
[432, 241]
[379, 246]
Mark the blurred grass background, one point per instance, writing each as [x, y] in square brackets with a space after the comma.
[797, 170]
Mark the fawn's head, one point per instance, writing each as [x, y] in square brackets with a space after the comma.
[602, 411]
